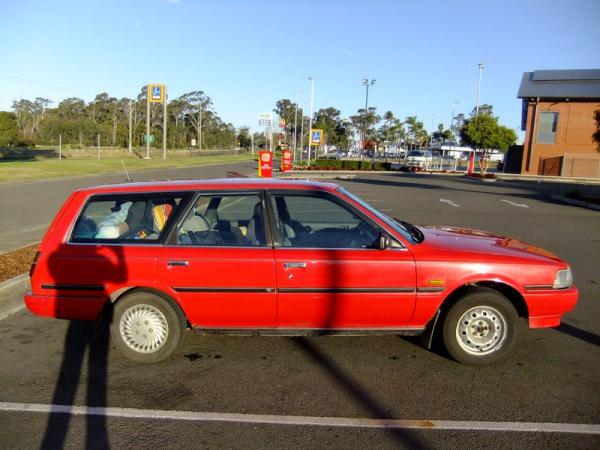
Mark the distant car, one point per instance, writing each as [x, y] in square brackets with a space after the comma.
[419, 159]
[285, 258]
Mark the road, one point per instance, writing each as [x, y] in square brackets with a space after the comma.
[30, 207]
[322, 392]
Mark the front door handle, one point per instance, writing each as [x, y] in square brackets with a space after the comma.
[177, 264]
[294, 265]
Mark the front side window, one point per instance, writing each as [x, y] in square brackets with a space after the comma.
[316, 221]
[224, 220]
[125, 217]
[547, 128]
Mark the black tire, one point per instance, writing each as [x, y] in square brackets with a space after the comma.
[480, 328]
[146, 328]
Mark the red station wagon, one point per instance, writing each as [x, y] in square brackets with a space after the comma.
[288, 258]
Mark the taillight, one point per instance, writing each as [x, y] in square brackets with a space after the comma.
[32, 268]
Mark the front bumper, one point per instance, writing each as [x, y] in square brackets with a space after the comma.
[547, 306]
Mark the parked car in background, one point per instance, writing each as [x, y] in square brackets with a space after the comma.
[419, 159]
[273, 257]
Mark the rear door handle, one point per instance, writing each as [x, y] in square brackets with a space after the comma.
[294, 265]
[177, 264]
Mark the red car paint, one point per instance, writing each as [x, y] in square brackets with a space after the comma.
[252, 288]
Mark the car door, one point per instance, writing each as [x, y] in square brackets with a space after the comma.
[330, 275]
[219, 264]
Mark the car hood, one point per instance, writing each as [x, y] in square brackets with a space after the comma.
[476, 241]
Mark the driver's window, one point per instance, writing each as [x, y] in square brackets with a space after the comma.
[311, 221]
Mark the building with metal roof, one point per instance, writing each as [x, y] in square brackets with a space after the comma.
[558, 120]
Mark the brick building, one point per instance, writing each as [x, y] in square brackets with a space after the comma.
[558, 120]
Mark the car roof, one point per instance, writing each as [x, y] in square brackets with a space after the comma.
[211, 184]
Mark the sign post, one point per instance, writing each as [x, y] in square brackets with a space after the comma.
[156, 93]
[316, 139]
[265, 120]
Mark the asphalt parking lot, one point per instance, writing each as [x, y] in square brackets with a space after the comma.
[329, 392]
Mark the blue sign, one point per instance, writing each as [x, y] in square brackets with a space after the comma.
[316, 136]
[156, 92]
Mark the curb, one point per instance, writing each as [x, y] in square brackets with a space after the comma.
[11, 295]
[574, 202]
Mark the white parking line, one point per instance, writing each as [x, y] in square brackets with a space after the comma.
[270, 419]
[520, 205]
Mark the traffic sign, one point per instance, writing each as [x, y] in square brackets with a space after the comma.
[157, 93]
[316, 136]
[149, 138]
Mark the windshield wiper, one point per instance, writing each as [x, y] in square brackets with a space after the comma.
[416, 234]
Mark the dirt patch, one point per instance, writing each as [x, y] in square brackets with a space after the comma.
[16, 262]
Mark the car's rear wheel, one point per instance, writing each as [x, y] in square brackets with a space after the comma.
[146, 328]
[480, 328]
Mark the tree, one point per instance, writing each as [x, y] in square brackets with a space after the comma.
[9, 130]
[485, 134]
[441, 135]
[596, 135]
[334, 129]
[243, 137]
[417, 134]
[365, 121]
[484, 109]
[286, 110]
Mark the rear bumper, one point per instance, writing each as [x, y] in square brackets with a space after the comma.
[74, 308]
[546, 307]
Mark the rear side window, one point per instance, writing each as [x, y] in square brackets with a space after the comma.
[224, 220]
[126, 218]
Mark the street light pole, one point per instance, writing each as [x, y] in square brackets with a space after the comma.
[367, 83]
[478, 89]
[312, 92]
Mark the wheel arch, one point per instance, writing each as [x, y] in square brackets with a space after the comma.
[505, 289]
[120, 293]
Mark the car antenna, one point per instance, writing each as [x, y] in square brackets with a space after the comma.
[126, 173]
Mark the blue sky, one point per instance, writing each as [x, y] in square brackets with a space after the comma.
[248, 54]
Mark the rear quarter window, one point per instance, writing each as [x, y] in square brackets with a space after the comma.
[126, 217]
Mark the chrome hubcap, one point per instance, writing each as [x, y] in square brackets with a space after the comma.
[144, 328]
[481, 330]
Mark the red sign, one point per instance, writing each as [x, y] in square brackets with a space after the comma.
[282, 123]
[286, 160]
[265, 164]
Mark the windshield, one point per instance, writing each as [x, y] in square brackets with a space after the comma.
[406, 230]
[415, 153]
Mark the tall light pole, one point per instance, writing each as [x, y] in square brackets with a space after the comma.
[312, 93]
[478, 89]
[366, 82]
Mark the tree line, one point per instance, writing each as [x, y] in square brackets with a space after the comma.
[388, 130]
[79, 123]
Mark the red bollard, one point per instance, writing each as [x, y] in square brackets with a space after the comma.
[471, 164]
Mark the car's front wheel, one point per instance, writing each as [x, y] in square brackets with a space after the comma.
[145, 327]
[480, 328]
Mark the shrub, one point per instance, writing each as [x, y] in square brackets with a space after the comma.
[350, 165]
[334, 164]
[366, 165]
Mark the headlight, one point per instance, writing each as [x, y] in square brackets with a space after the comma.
[563, 279]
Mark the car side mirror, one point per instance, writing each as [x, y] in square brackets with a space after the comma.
[383, 242]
